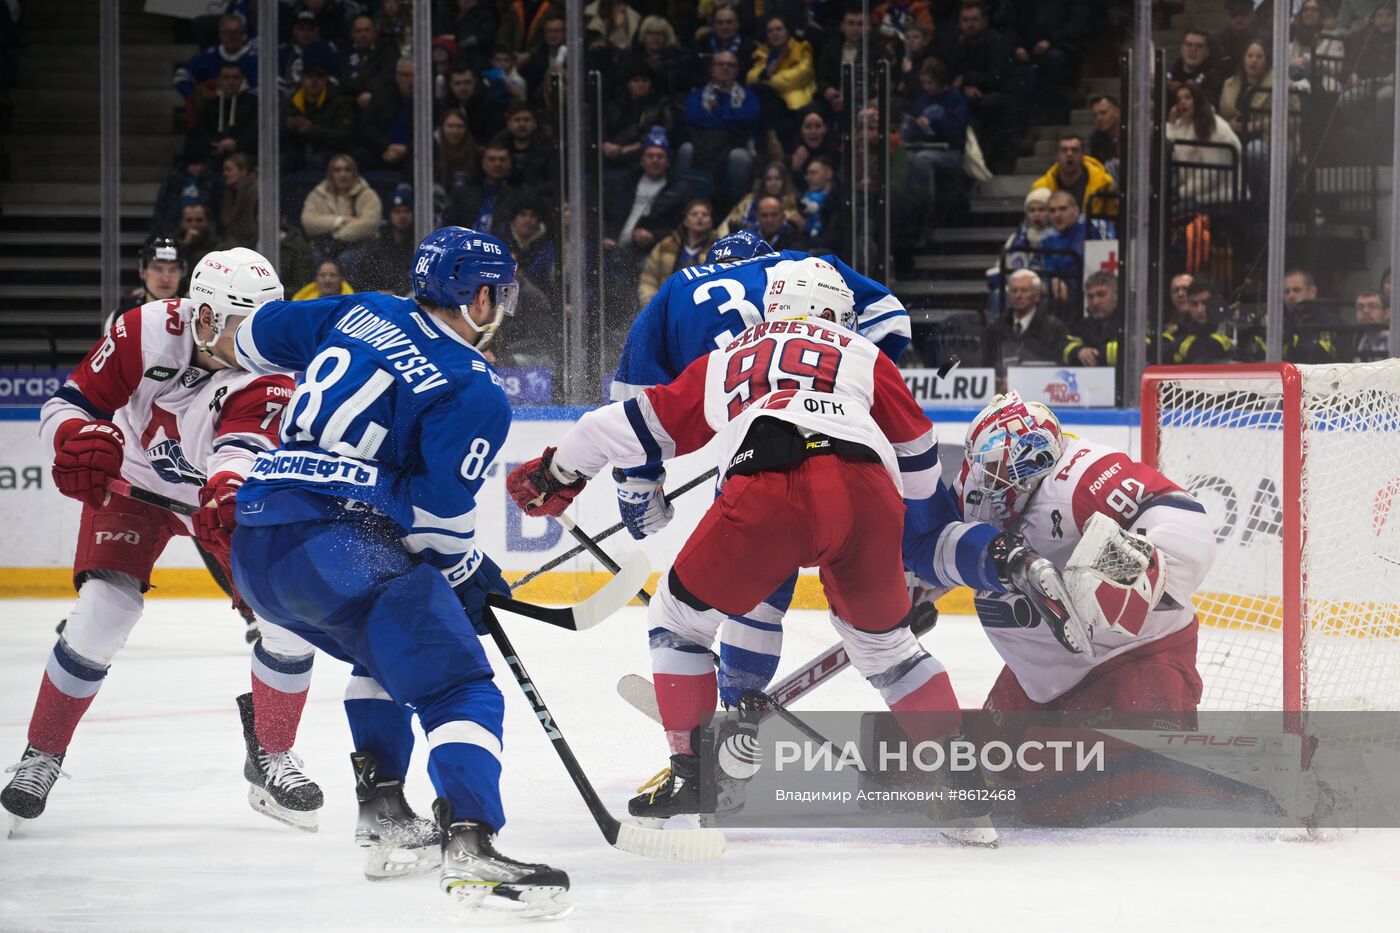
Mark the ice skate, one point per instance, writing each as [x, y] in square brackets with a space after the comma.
[963, 813]
[476, 875]
[399, 842]
[28, 791]
[686, 788]
[278, 788]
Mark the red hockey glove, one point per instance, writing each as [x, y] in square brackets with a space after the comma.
[539, 489]
[86, 455]
[214, 522]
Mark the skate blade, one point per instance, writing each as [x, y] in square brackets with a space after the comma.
[16, 824]
[384, 862]
[533, 903]
[975, 835]
[261, 801]
[681, 821]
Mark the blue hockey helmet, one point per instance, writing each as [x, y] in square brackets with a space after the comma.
[746, 244]
[452, 263]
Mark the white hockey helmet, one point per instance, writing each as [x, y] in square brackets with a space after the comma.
[233, 283]
[799, 289]
[1011, 447]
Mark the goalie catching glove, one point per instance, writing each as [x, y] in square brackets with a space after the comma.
[1034, 577]
[642, 502]
[542, 488]
[1114, 576]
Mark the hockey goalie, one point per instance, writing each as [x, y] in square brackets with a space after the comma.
[1132, 547]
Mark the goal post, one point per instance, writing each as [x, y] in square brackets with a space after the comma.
[1298, 468]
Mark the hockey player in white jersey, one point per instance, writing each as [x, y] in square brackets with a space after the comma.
[821, 447]
[1132, 546]
[150, 405]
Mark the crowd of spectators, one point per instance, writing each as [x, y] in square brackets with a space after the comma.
[723, 115]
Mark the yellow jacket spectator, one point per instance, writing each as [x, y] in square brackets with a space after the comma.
[1081, 175]
[329, 283]
[785, 65]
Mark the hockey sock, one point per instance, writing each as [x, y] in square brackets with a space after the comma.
[686, 689]
[463, 726]
[378, 725]
[920, 694]
[750, 645]
[66, 691]
[280, 686]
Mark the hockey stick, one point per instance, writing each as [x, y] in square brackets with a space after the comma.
[582, 616]
[120, 487]
[673, 844]
[641, 695]
[579, 617]
[590, 545]
[605, 533]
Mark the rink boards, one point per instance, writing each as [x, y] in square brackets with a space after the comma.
[36, 552]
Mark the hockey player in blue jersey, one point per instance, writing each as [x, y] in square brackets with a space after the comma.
[698, 309]
[358, 532]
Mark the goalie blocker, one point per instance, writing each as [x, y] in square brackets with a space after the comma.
[1132, 545]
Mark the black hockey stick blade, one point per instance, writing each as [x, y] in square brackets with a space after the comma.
[582, 616]
[120, 487]
[608, 532]
[670, 844]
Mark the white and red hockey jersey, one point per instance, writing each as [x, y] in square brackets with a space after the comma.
[816, 375]
[181, 423]
[1091, 478]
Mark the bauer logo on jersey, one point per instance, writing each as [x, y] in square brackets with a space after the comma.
[314, 467]
[168, 460]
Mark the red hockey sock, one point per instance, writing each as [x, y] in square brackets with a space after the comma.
[276, 716]
[55, 717]
[685, 701]
[929, 712]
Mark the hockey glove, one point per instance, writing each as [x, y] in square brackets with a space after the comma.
[1023, 570]
[923, 602]
[472, 592]
[541, 488]
[86, 455]
[642, 503]
[1114, 576]
[213, 523]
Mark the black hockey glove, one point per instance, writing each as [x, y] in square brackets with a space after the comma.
[1023, 570]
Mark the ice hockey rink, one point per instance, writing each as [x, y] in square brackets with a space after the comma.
[153, 831]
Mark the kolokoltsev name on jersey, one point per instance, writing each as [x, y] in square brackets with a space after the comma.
[394, 411]
[1089, 478]
[182, 423]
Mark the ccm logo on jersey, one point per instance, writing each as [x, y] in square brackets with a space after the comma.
[128, 537]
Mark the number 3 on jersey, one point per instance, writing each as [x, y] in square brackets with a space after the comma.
[307, 421]
[803, 364]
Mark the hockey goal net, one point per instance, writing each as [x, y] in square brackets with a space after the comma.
[1299, 470]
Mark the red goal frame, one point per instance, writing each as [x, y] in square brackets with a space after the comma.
[1294, 577]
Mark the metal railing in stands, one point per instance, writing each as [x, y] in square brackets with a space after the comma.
[1208, 221]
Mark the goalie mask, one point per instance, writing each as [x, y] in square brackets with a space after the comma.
[802, 289]
[1011, 446]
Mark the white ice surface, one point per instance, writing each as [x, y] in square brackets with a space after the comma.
[153, 832]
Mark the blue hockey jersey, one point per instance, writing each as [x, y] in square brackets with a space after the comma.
[703, 307]
[392, 409]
